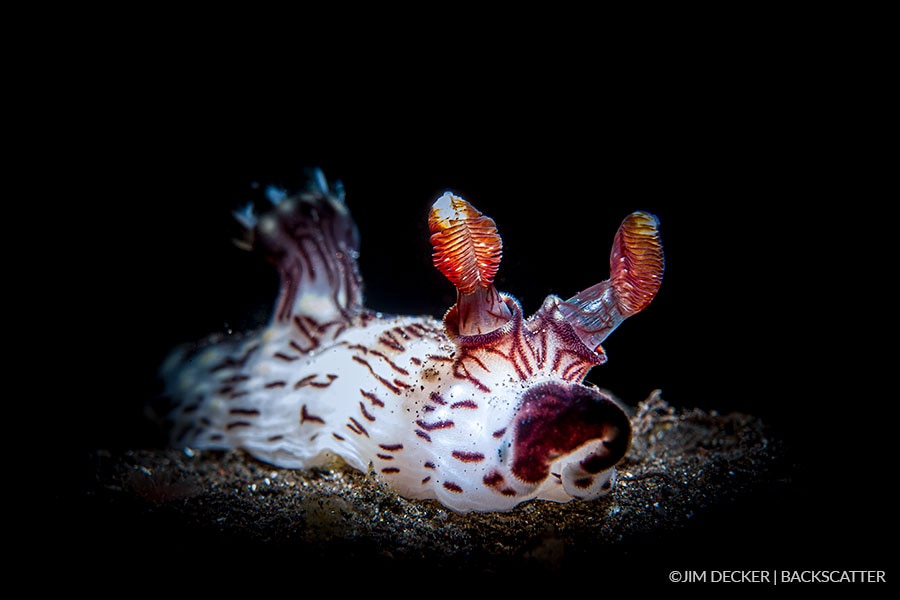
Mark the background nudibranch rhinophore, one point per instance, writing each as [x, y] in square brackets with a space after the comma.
[482, 411]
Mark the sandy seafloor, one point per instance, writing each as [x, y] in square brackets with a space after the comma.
[686, 473]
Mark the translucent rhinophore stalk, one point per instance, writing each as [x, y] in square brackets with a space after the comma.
[636, 266]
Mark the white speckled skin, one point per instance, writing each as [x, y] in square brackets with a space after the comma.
[479, 423]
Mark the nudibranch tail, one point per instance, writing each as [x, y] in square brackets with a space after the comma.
[467, 250]
[313, 242]
[636, 269]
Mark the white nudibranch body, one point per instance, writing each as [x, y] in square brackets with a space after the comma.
[481, 411]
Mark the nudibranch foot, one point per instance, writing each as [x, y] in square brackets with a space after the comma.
[481, 411]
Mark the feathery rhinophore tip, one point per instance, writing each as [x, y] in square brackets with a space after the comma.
[637, 262]
[467, 247]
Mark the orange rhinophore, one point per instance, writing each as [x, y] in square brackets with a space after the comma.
[636, 262]
[636, 266]
[467, 250]
[467, 247]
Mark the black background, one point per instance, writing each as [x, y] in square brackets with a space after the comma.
[754, 169]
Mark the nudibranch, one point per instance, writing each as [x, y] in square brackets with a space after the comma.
[480, 411]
